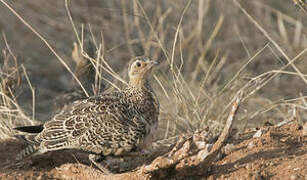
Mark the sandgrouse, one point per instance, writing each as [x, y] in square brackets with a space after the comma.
[114, 123]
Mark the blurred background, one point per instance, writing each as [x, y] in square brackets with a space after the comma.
[209, 49]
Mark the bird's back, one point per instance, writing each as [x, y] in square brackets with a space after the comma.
[112, 123]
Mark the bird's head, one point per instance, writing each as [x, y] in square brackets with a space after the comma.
[139, 70]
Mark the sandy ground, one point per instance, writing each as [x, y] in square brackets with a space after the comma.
[279, 153]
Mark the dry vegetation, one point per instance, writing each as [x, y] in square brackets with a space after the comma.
[210, 50]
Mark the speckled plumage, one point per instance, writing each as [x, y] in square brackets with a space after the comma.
[114, 123]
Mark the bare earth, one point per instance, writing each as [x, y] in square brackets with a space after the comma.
[280, 153]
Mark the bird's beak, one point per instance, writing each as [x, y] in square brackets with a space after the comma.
[152, 63]
[155, 62]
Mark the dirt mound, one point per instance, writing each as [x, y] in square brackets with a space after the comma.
[279, 153]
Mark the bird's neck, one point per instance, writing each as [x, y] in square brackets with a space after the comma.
[139, 83]
[139, 87]
[142, 97]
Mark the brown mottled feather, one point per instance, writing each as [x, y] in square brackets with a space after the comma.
[111, 123]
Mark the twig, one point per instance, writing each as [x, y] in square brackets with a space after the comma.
[192, 155]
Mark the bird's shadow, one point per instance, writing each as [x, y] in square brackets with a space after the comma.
[45, 162]
[9, 148]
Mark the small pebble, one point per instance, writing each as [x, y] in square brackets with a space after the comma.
[250, 145]
[258, 133]
[294, 177]
[229, 148]
[200, 144]
[248, 166]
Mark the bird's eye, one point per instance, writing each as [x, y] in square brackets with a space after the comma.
[138, 64]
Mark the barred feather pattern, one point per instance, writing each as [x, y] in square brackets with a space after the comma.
[28, 151]
[112, 123]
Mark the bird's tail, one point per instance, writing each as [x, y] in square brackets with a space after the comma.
[30, 129]
[32, 148]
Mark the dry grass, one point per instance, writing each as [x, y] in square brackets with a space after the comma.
[210, 50]
[11, 115]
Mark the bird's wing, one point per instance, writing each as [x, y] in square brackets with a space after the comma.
[73, 121]
[98, 124]
[112, 133]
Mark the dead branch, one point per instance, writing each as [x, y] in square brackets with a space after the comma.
[192, 154]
